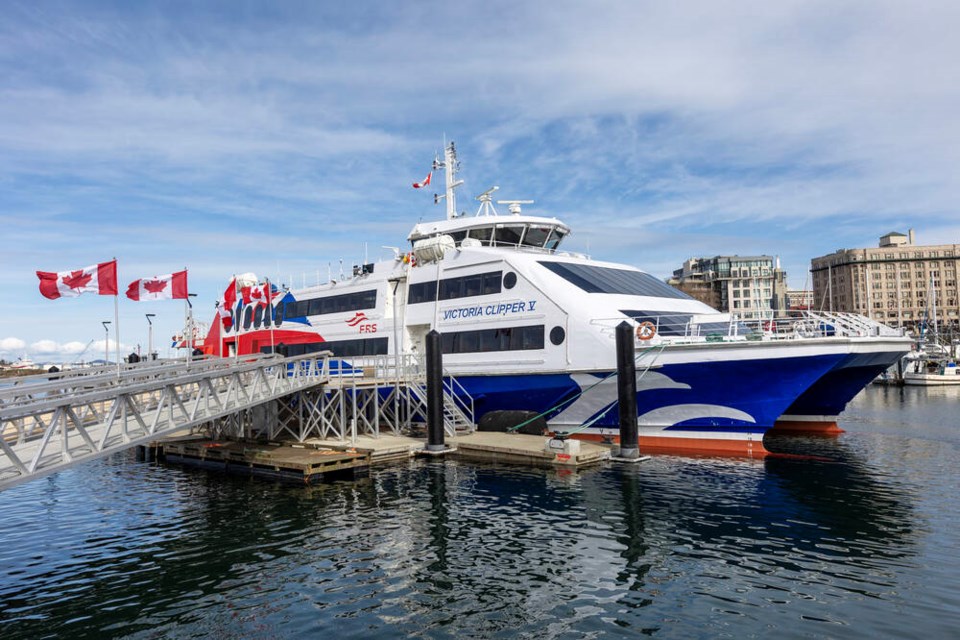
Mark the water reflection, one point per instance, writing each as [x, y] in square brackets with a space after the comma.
[679, 546]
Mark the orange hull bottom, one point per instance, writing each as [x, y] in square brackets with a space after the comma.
[826, 427]
[689, 446]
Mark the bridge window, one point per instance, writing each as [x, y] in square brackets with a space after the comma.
[483, 234]
[536, 236]
[508, 236]
[554, 240]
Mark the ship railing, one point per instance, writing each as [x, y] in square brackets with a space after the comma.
[810, 324]
[677, 329]
[694, 328]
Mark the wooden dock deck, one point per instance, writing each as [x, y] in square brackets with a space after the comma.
[518, 448]
[299, 463]
[314, 460]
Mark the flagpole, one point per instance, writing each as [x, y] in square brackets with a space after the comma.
[116, 323]
[238, 324]
[273, 345]
[186, 341]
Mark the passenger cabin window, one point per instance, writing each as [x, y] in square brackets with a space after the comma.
[331, 304]
[340, 348]
[478, 284]
[488, 340]
[594, 279]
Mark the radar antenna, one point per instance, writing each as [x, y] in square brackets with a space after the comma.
[486, 202]
[514, 205]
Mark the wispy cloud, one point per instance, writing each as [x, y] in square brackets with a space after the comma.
[280, 138]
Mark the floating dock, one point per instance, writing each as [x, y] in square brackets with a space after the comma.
[298, 463]
[516, 448]
[316, 460]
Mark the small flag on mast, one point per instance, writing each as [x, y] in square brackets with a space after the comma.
[426, 181]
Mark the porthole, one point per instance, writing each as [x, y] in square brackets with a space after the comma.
[509, 280]
[258, 317]
[247, 317]
[557, 335]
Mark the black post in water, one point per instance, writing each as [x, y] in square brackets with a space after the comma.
[627, 392]
[434, 392]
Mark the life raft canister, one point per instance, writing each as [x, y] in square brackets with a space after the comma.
[646, 330]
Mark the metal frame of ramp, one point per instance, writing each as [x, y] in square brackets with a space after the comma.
[48, 426]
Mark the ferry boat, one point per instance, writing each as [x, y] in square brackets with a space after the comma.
[526, 326]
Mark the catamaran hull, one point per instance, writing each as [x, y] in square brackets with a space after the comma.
[710, 407]
[818, 408]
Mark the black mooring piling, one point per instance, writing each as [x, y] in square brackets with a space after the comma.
[627, 392]
[434, 392]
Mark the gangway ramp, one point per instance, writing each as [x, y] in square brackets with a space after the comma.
[50, 423]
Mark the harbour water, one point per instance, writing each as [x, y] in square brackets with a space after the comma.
[852, 537]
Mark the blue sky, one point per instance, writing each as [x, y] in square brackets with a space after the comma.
[282, 137]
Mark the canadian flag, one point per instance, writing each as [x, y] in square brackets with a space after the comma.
[426, 181]
[226, 317]
[168, 287]
[98, 278]
[227, 305]
[230, 295]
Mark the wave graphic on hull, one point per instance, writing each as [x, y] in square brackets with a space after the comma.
[677, 413]
[599, 396]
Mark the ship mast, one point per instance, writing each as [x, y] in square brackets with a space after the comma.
[452, 167]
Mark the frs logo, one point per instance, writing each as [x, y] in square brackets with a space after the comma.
[360, 320]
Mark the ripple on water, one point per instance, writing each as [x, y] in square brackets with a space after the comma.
[856, 543]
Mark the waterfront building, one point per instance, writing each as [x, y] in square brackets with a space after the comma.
[899, 282]
[748, 286]
[799, 299]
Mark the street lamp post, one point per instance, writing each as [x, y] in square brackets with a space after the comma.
[106, 341]
[150, 335]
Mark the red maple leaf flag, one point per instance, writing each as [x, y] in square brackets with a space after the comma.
[172, 286]
[426, 181]
[230, 295]
[98, 278]
[267, 293]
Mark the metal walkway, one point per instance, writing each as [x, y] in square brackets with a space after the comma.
[51, 422]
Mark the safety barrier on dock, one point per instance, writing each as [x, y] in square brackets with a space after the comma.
[49, 425]
[50, 422]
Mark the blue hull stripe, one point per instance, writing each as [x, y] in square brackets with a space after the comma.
[742, 396]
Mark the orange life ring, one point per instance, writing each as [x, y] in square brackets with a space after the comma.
[646, 330]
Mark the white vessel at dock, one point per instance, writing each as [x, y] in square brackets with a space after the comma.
[930, 370]
[527, 326]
